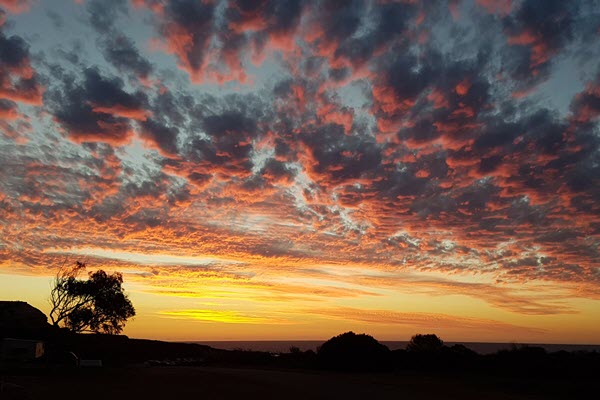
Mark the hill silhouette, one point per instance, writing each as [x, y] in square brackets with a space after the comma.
[19, 319]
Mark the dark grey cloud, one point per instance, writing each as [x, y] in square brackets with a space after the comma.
[340, 157]
[389, 21]
[7, 106]
[95, 107]
[121, 52]
[18, 79]
[536, 32]
[440, 146]
[103, 14]
[195, 18]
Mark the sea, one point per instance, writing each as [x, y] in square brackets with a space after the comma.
[283, 346]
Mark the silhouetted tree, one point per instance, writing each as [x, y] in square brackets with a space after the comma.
[97, 304]
[429, 343]
[352, 352]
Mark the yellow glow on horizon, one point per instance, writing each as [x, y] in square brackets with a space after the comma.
[230, 317]
[208, 297]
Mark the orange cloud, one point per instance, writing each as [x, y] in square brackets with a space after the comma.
[501, 7]
[16, 6]
[418, 320]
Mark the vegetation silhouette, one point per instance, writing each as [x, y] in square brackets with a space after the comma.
[354, 352]
[98, 304]
[428, 343]
[426, 368]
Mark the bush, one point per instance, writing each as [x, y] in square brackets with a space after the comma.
[352, 352]
[425, 344]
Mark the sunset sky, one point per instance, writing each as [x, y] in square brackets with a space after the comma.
[297, 169]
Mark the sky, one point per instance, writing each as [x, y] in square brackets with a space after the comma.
[297, 169]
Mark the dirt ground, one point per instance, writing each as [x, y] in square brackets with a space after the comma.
[229, 383]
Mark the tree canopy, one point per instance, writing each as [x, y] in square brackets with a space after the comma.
[354, 352]
[98, 304]
[428, 343]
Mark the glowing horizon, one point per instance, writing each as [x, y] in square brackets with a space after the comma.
[295, 170]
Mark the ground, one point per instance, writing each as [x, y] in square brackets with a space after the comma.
[229, 383]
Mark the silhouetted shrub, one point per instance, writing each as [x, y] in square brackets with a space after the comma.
[429, 343]
[296, 358]
[461, 350]
[401, 359]
[522, 360]
[352, 352]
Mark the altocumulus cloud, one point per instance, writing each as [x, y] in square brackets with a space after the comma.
[394, 137]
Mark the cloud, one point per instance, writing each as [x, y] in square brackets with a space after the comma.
[586, 105]
[228, 317]
[302, 138]
[538, 33]
[502, 7]
[96, 109]
[118, 49]
[16, 6]
[121, 52]
[103, 14]
[186, 28]
[417, 320]
[18, 80]
[8, 109]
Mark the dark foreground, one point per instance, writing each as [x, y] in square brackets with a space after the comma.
[231, 383]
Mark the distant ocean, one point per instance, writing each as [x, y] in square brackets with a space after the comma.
[283, 346]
